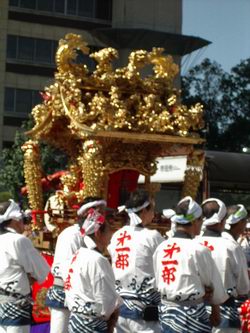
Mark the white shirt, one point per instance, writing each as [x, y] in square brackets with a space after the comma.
[90, 285]
[244, 243]
[229, 261]
[53, 203]
[68, 242]
[17, 258]
[131, 250]
[183, 269]
[243, 285]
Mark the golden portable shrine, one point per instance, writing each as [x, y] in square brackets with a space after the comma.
[110, 120]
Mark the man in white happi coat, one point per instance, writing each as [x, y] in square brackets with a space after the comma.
[19, 261]
[90, 285]
[228, 261]
[131, 250]
[185, 272]
[244, 241]
[68, 242]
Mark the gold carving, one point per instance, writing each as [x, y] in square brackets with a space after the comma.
[193, 173]
[111, 119]
[108, 99]
[33, 176]
[39, 308]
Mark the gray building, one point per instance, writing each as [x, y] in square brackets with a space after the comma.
[30, 30]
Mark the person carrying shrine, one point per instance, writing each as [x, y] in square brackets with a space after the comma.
[90, 285]
[68, 242]
[228, 259]
[244, 241]
[187, 276]
[131, 250]
[20, 262]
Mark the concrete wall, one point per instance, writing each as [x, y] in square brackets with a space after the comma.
[162, 15]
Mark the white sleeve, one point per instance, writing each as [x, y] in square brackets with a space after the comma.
[76, 243]
[104, 289]
[31, 260]
[156, 240]
[242, 280]
[210, 276]
[47, 219]
[155, 265]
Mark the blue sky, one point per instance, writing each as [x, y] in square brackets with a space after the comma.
[226, 23]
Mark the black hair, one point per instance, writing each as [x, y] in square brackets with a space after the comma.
[3, 207]
[182, 209]
[104, 226]
[137, 199]
[210, 208]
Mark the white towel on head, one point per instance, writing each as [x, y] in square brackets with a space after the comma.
[168, 213]
[133, 217]
[236, 217]
[84, 208]
[216, 217]
[13, 212]
[194, 212]
[92, 223]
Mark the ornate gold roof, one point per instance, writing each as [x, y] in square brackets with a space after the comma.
[113, 102]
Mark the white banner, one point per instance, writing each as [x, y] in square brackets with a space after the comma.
[169, 170]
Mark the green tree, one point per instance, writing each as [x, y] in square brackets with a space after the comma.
[226, 100]
[12, 173]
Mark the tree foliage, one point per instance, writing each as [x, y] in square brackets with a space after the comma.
[226, 100]
[11, 171]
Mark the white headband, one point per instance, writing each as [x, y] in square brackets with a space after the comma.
[134, 218]
[84, 208]
[217, 217]
[13, 212]
[92, 223]
[168, 213]
[236, 217]
[194, 212]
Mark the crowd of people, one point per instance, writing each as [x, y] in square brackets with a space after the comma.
[192, 279]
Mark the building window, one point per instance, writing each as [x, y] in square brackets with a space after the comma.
[86, 8]
[14, 3]
[41, 51]
[11, 47]
[100, 9]
[45, 5]
[59, 6]
[20, 101]
[9, 97]
[103, 9]
[29, 4]
[44, 51]
[25, 48]
[32, 50]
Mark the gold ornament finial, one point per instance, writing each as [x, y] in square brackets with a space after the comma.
[106, 99]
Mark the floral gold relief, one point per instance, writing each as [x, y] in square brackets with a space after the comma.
[111, 119]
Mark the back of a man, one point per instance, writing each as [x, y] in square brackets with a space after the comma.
[19, 261]
[184, 272]
[224, 253]
[131, 250]
[68, 242]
